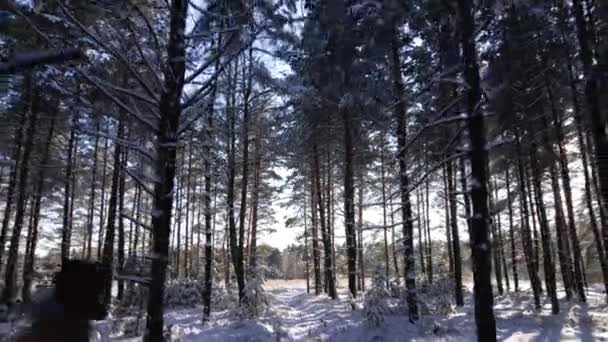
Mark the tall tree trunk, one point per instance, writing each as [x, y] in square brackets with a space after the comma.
[108, 246]
[495, 242]
[480, 243]
[448, 235]
[406, 209]
[384, 226]
[239, 265]
[421, 229]
[329, 276]
[393, 239]
[501, 245]
[10, 287]
[187, 228]
[67, 218]
[427, 223]
[257, 158]
[316, 260]
[306, 253]
[103, 200]
[455, 236]
[30, 256]
[548, 264]
[511, 231]
[170, 111]
[361, 253]
[92, 193]
[209, 215]
[121, 222]
[12, 183]
[525, 227]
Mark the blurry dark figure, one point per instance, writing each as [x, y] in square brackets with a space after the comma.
[77, 299]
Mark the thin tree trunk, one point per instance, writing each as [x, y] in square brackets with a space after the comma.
[511, 231]
[384, 226]
[67, 218]
[548, 264]
[495, 247]
[525, 229]
[121, 222]
[315, 240]
[361, 253]
[108, 247]
[103, 200]
[455, 237]
[448, 235]
[501, 246]
[329, 277]
[92, 194]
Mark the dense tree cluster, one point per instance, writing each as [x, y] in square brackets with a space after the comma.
[148, 135]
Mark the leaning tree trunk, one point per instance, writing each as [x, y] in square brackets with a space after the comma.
[170, 111]
[480, 242]
[10, 287]
[30, 256]
[406, 209]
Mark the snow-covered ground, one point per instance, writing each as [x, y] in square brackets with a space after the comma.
[298, 316]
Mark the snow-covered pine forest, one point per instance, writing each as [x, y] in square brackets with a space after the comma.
[439, 167]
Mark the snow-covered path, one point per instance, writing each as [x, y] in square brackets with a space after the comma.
[298, 316]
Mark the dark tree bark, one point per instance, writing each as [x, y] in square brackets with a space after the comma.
[361, 252]
[92, 193]
[103, 200]
[257, 159]
[328, 268]
[384, 226]
[548, 264]
[170, 111]
[121, 222]
[315, 240]
[406, 209]
[108, 246]
[525, 228]
[12, 183]
[511, 231]
[495, 244]
[10, 287]
[455, 237]
[501, 245]
[32, 239]
[421, 231]
[480, 244]
[448, 235]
